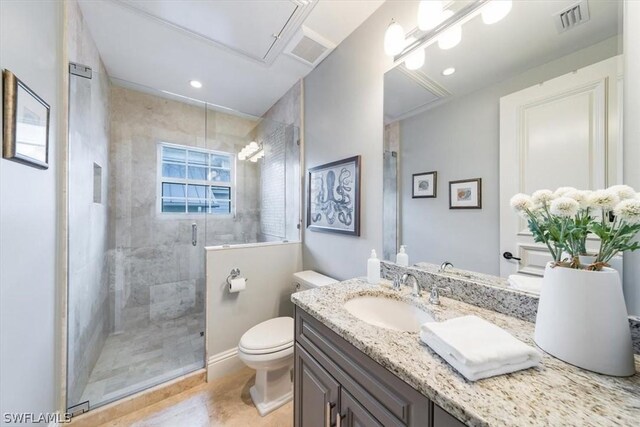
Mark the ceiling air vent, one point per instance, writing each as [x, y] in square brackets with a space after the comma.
[572, 16]
[309, 47]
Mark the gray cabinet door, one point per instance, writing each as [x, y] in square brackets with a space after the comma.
[442, 418]
[316, 392]
[353, 414]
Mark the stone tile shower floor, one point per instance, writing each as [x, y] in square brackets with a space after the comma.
[143, 357]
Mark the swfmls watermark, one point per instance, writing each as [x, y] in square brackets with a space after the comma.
[35, 418]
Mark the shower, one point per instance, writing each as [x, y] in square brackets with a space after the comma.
[153, 178]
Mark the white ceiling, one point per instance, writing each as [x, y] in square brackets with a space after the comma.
[228, 45]
[488, 54]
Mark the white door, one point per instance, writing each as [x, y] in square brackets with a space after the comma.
[562, 132]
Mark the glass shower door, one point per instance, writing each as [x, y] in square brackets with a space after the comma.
[137, 171]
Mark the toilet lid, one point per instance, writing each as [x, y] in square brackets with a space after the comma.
[273, 334]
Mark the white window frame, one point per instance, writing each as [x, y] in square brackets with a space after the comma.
[161, 179]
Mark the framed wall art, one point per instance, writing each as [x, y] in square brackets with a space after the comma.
[465, 194]
[25, 123]
[333, 203]
[425, 185]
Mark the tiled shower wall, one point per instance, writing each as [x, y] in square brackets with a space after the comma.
[156, 272]
[281, 168]
[272, 182]
[88, 147]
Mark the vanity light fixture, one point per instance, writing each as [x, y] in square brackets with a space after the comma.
[394, 39]
[448, 71]
[252, 152]
[415, 61]
[495, 11]
[451, 36]
[441, 26]
[195, 83]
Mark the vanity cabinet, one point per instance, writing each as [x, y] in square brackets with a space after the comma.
[336, 385]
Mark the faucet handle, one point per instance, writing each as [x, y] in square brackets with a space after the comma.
[397, 281]
[434, 295]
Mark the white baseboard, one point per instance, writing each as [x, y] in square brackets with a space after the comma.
[223, 363]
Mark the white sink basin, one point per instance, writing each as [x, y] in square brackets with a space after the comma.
[388, 313]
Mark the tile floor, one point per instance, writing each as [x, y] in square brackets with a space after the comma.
[224, 402]
[141, 358]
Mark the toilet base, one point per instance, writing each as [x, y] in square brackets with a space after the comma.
[265, 408]
[272, 389]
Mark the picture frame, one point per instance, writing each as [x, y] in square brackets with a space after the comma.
[333, 197]
[465, 194]
[424, 185]
[25, 123]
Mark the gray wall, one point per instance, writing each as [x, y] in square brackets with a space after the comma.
[88, 263]
[632, 140]
[460, 140]
[30, 46]
[343, 117]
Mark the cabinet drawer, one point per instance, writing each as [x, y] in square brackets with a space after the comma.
[385, 396]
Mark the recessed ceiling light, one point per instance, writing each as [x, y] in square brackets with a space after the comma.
[196, 84]
[448, 71]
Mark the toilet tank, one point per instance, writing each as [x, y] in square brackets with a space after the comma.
[310, 279]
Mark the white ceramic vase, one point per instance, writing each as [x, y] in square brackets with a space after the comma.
[582, 320]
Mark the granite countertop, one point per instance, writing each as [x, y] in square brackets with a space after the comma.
[555, 393]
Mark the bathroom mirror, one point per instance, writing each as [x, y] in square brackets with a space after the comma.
[531, 101]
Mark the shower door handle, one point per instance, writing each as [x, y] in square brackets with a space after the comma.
[194, 234]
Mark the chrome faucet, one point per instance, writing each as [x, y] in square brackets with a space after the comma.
[444, 266]
[417, 288]
[434, 295]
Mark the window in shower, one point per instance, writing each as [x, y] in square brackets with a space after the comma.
[192, 181]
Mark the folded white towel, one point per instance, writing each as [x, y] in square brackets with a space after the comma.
[477, 348]
[525, 283]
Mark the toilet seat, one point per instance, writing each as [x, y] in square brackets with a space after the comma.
[265, 350]
[270, 336]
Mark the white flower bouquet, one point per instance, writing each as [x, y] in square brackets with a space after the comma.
[563, 219]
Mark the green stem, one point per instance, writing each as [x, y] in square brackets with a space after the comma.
[534, 221]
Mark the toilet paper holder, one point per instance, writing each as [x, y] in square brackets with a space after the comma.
[234, 274]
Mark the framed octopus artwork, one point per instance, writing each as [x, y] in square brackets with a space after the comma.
[333, 203]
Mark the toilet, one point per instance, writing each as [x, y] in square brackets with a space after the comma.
[268, 348]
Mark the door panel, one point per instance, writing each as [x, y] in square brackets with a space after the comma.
[562, 132]
[353, 413]
[316, 392]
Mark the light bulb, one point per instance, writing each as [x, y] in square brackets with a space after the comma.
[195, 83]
[448, 71]
[452, 36]
[253, 159]
[415, 61]
[394, 39]
[242, 156]
[496, 10]
[429, 14]
[253, 145]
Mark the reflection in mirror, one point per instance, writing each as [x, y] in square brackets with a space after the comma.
[531, 101]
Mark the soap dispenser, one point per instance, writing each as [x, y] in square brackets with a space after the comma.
[373, 269]
[402, 258]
